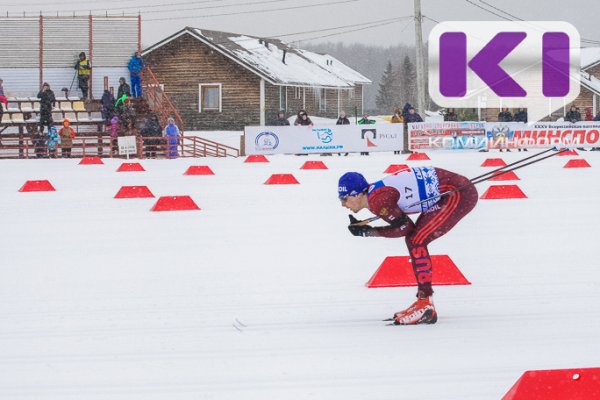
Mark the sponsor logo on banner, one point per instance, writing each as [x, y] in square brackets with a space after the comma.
[325, 135]
[365, 133]
[266, 141]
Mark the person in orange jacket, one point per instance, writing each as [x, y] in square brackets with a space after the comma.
[67, 134]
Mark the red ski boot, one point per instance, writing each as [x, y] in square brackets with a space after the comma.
[421, 311]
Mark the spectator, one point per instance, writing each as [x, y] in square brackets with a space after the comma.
[47, 101]
[450, 115]
[505, 116]
[84, 69]
[397, 118]
[124, 89]
[108, 107]
[151, 130]
[573, 115]
[3, 100]
[365, 121]
[521, 116]
[53, 141]
[342, 120]
[596, 118]
[281, 120]
[412, 115]
[67, 134]
[114, 133]
[127, 116]
[588, 114]
[135, 66]
[39, 145]
[171, 133]
[303, 119]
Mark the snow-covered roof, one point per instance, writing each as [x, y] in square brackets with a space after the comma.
[590, 82]
[589, 56]
[265, 57]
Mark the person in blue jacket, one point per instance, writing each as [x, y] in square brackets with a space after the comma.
[171, 133]
[53, 141]
[135, 66]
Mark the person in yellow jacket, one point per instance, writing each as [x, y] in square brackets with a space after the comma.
[84, 70]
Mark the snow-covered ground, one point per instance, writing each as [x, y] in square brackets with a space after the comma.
[260, 295]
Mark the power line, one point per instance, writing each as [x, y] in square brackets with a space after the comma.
[589, 41]
[502, 11]
[254, 11]
[351, 30]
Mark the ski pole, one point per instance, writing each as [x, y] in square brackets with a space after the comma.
[477, 179]
[72, 81]
[513, 163]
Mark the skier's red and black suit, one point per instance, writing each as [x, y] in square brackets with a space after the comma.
[430, 225]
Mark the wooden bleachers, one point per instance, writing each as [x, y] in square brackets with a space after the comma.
[72, 108]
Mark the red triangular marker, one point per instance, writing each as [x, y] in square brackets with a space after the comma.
[395, 168]
[256, 159]
[37, 186]
[495, 192]
[282, 179]
[199, 170]
[398, 271]
[314, 165]
[130, 167]
[90, 161]
[175, 203]
[577, 163]
[557, 384]
[417, 157]
[133, 192]
[493, 162]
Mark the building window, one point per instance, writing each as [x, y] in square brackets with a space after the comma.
[297, 93]
[210, 97]
[283, 98]
[351, 93]
[321, 97]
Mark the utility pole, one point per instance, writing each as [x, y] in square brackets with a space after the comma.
[419, 61]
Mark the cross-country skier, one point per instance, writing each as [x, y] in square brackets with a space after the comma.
[391, 199]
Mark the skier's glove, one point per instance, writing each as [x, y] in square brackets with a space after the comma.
[363, 230]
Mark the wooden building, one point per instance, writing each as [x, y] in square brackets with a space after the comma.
[225, 81]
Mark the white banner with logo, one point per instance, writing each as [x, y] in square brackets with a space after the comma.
[323, 139]
[500, 135]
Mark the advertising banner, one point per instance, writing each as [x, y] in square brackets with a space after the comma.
[446, 135]
[323, 139]
[502, 135]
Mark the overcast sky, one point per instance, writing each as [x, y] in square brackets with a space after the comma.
[372, 20]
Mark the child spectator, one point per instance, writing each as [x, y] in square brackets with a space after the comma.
[171, 133]
[114, 134]
[53, 141]
[67, 134]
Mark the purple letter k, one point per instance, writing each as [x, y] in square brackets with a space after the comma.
[453, 66]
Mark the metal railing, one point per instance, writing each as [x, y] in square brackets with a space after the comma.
[104, 146]
[158, 101]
